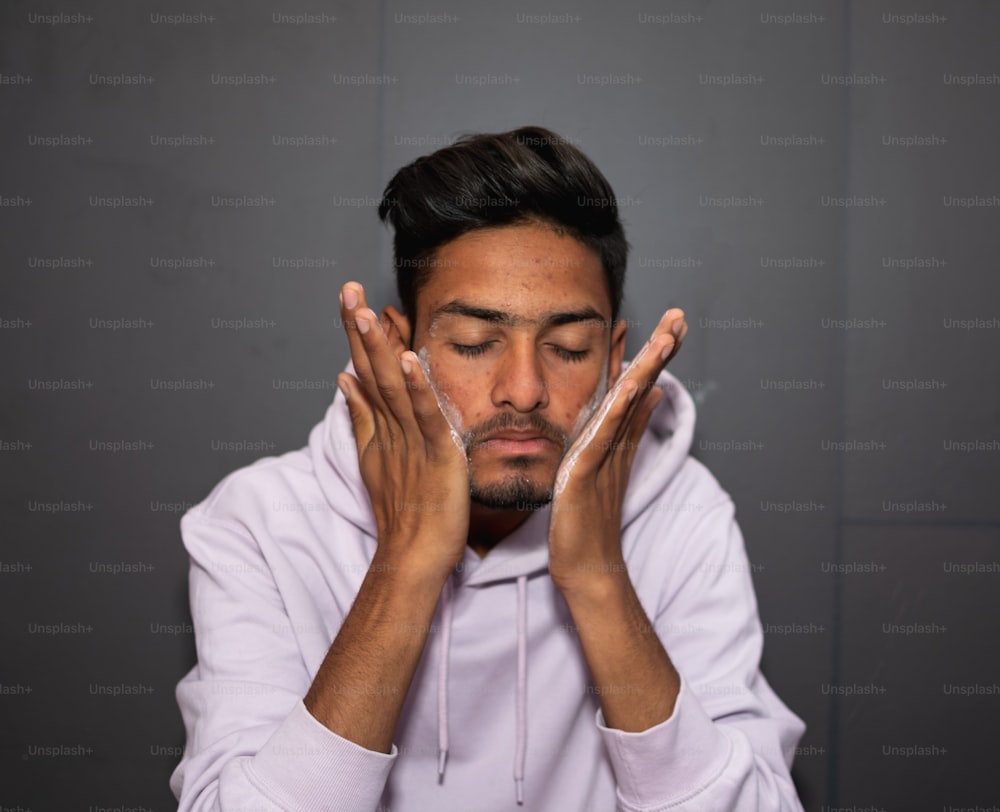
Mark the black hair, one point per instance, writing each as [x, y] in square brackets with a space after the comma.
[488, 180]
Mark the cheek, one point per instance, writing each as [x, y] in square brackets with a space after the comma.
[586, 401]
[467, 401]
[573, 405]
[459, 400]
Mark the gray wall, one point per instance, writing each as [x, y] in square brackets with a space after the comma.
[807, 223]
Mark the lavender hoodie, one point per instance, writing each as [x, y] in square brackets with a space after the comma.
[501, 699]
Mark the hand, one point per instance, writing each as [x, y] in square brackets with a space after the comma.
[585, 522]
[414, 468]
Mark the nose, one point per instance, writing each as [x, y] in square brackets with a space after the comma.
[519, 380]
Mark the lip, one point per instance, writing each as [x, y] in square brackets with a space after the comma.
[515, 442]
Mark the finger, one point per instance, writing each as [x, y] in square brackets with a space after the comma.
[391, 396]
[598, 435]
[678, 329]
[671, 323]
[440, 436]
[657, 352]
[393, 336]
[645, 368]
[635, 427]
[352, 299]
[625, 446]
[629, 396]
[378, 376]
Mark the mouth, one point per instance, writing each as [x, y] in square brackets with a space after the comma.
[515, 442]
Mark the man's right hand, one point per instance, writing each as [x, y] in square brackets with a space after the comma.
[412, 463]
[417, 479]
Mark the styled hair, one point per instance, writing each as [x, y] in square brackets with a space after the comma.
[489, 180]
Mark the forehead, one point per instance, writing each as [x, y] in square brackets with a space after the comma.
[524, 270]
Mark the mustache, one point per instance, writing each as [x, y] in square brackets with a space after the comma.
[506, 421]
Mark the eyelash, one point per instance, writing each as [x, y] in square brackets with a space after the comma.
[573, 356]
[473, 350]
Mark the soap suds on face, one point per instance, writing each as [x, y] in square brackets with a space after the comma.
[584, 440]
[451, 414]
[591, 406]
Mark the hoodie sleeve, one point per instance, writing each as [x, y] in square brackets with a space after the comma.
[730, 741]
[251, 743]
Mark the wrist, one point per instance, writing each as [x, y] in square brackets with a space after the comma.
[409, 570]
[586, 557]
[595, 584]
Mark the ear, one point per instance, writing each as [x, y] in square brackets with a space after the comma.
[618, 333]
[397, 328]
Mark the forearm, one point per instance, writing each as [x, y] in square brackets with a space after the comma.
[359, 690]
[632, 673]
[406, 457]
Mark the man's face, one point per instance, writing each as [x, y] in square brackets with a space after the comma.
[514, 328]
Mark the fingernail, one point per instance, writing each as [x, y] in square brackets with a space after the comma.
[665, 352]
[350, 298]
[404, 362]
[343, 390]
[677, 327]
[363, 325]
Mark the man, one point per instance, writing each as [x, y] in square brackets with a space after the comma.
[495, 558]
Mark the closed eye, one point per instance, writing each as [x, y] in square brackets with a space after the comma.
[570, 355]
[471, 350]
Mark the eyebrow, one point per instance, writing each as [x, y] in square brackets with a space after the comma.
[459, 308]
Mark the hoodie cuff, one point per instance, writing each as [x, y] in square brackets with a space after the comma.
[306, 766]
[670, 761]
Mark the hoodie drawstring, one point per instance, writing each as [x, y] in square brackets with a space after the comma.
[522, 681]
[443, 678]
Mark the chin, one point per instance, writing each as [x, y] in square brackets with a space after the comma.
[512, 493]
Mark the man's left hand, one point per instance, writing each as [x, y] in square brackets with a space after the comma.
[585, 522]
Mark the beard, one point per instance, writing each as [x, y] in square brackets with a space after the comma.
[516, 490]
[513, 492]
[522, 492]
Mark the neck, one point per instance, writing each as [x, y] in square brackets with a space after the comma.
[489, 526]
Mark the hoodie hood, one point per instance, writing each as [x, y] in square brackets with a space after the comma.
[661, 453]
